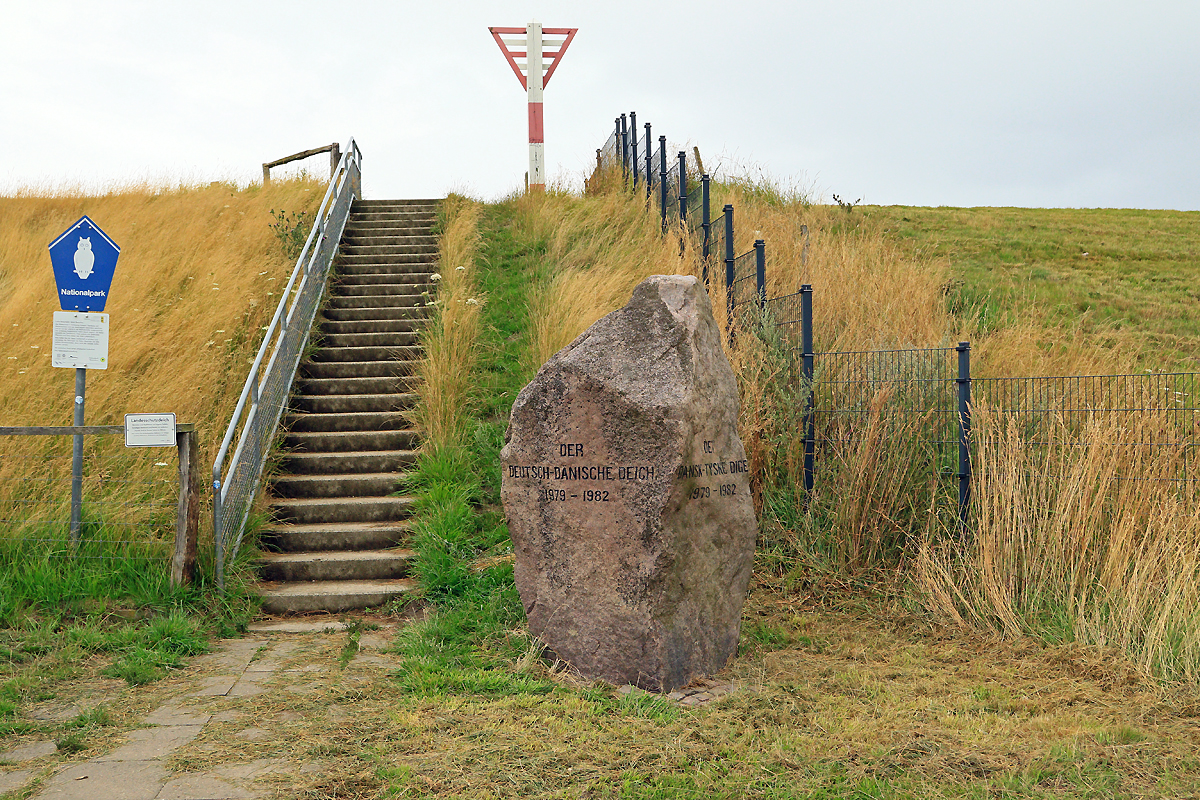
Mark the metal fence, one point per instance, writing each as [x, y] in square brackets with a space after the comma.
[921, 396]
[134, 499]
[255, 420]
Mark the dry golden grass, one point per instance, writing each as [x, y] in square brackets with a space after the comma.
[199, 275]
[1080, 538]
[450, 339]
[599, 248]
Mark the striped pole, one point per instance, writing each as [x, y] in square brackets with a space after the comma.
[533, 76]
[536, 72]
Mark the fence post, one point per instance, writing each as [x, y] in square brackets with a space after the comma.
[682, 187]
[617, 139]
[760, 272]
[633, 154]
[649, 156]
[662, 179]
[705, 225]
[187, 520]
[806, 344]
[624, 146]
[729, 298]
[964, 433]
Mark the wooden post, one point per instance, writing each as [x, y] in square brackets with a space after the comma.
[335, 158]
[187, 521]
[266, 174]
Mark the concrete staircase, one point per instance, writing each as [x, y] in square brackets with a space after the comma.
[336, 542]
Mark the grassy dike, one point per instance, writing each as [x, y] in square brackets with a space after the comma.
[840, 694]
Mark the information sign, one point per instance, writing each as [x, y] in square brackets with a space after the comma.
[80, 340]
[84, 260]
[149, 430]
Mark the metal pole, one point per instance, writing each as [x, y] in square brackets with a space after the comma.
[77, 458]
[649, 164]
[682, 187]
[633, 158]
[662, 179]
[729, 265]
[760, 272]
[623, 143]
[806, 345]
[964, 433]
[705, 224]
[534, 80]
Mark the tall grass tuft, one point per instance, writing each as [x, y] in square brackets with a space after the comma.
[1077, 537]
[449, 341]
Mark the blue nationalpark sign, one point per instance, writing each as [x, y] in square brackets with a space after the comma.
[84, 260]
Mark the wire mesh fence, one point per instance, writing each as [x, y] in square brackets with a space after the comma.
[130, 496]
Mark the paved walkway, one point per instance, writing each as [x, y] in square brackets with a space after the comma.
[141, 769]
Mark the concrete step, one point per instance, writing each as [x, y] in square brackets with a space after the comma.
[385, 338]
[348, 461]
[335, 565]
[307, 510]
[325, 355]
[375, 265]
[409, 300]
[306, 422]
[330, 596]
[398, 285]
[425, 244]
[356, 369]
[386, 241]
[350, 403]
[396, 384]
[327, 536]
[364, 484]
[391, 323]
[371, 279]
[350, 441]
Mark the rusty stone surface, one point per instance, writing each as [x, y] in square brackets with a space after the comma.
[627, 498]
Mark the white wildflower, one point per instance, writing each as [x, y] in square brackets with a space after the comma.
[471, 301]
[459, 269]
[163, 463]
[209, 344]
[435, 277]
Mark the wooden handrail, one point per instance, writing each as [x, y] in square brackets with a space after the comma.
[335, 156]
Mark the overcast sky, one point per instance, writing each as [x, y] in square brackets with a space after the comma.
[926, 102]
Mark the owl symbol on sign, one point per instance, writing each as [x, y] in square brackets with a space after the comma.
[84, 258]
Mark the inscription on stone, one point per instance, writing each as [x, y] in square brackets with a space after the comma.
[627, 494]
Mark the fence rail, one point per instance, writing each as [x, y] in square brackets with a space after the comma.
[114, 500]
[239, 464]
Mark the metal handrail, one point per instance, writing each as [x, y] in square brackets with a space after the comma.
[255, 420]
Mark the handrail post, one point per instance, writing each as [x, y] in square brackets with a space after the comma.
[964, 434]
[806, 345]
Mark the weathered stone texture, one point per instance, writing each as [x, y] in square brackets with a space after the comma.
[627, 498]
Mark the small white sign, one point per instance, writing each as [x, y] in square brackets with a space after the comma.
[80, 340]
[149, 430]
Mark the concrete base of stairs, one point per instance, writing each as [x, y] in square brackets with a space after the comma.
[330, 596]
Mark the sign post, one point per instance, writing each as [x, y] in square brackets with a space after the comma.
[534, 77]
[84, 260]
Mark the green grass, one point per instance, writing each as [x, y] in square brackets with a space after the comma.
[1116, 274]
[463, 553]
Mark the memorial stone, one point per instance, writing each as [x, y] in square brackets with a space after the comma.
[627, 494]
